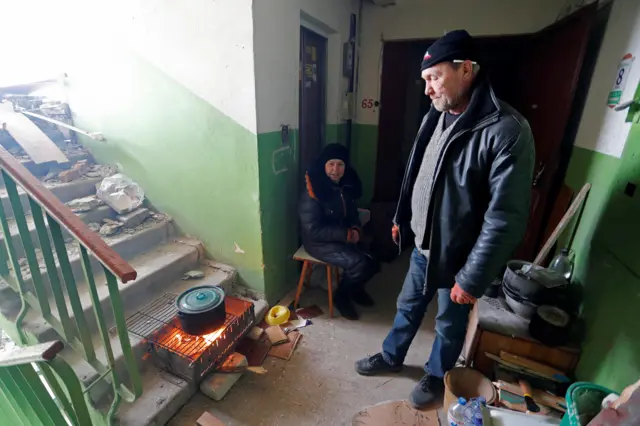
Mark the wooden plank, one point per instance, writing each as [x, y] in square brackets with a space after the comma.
[494, 343]
[518, 368]
[472, 338]
[564, 222]
[34, 141]
[539, 396]
[286, 350]
[533, 365]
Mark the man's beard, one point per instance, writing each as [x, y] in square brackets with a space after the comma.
[446, 104]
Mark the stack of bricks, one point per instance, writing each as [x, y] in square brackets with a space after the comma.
[216, 385]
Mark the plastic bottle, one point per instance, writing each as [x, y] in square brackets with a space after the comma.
[455, 414]
[472, 413]
[563, 263]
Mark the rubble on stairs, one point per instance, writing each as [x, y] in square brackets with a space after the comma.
[126, 222]
[85, 204]
[110, 227]
[80, 170]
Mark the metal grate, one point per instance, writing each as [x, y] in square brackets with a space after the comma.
[184, 354]
[174, 339]
[150, 319]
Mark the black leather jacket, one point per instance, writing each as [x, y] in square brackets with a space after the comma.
[481, 193]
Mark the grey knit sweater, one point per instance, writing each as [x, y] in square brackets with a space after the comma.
[422, 187]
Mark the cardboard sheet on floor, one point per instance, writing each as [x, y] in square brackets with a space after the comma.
[285, 350]
[276, 335]
[309, 312]
[255, 350]
[34, 141]
[395, 413]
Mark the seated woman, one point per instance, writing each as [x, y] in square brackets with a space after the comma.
[331, 226]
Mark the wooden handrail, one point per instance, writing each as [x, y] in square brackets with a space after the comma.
[64, 216]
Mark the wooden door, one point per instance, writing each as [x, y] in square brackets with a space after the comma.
[398, 66]
[547, 77]
[313, 48]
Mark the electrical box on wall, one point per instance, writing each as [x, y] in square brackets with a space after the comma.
[347, 106]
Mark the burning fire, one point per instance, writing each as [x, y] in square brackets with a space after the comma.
[193, 345]
[211, 337]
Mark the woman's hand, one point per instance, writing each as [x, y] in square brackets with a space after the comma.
[353, 236]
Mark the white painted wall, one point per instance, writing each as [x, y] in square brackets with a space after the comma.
[421, 19]
[602, 129]
[277, 55]
[205, 45]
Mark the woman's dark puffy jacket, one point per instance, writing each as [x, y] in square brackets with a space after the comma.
[328, 210]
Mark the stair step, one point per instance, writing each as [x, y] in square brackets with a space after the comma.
[96, 215]
[126, 245]
[63, 191]
[42, 169]
[164, 395]
[154, 268]
[86, 373]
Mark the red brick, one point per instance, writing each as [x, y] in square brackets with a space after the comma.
[81, 167]
[208, 419]
[68, 175]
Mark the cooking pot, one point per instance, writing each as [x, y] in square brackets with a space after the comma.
[520, 285]
[550, 325]
[521, 307]
[201, 309]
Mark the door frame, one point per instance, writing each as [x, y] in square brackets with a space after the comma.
[554, 177]
[323, 76]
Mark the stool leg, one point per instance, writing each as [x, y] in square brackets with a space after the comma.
[330, 283]
[303, 276]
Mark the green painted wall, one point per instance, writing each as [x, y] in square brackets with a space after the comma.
[280, 187]
[336, 133]
[607, 246]
[279, 191]
[194, 162]
[364, 150]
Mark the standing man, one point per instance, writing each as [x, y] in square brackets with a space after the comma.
[466, 194]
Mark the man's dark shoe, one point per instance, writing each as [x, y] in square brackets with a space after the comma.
[375, 364]
[344, 305]
[429, 391]
[361, 297]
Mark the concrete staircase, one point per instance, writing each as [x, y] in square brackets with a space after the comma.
[160, 256]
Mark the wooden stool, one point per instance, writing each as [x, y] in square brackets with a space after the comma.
[307, 265]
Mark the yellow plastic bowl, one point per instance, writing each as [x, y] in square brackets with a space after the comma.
[277, 315]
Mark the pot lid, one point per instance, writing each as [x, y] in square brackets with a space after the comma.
[200, 299]
[554, 315]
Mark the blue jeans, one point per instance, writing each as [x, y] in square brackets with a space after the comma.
[451, 321]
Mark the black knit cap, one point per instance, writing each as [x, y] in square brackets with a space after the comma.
[455, 45]
[334, 151]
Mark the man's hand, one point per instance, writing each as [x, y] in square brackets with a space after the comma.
[461, 297]
[395, 234]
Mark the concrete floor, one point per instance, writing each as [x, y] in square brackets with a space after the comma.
[318, 385]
